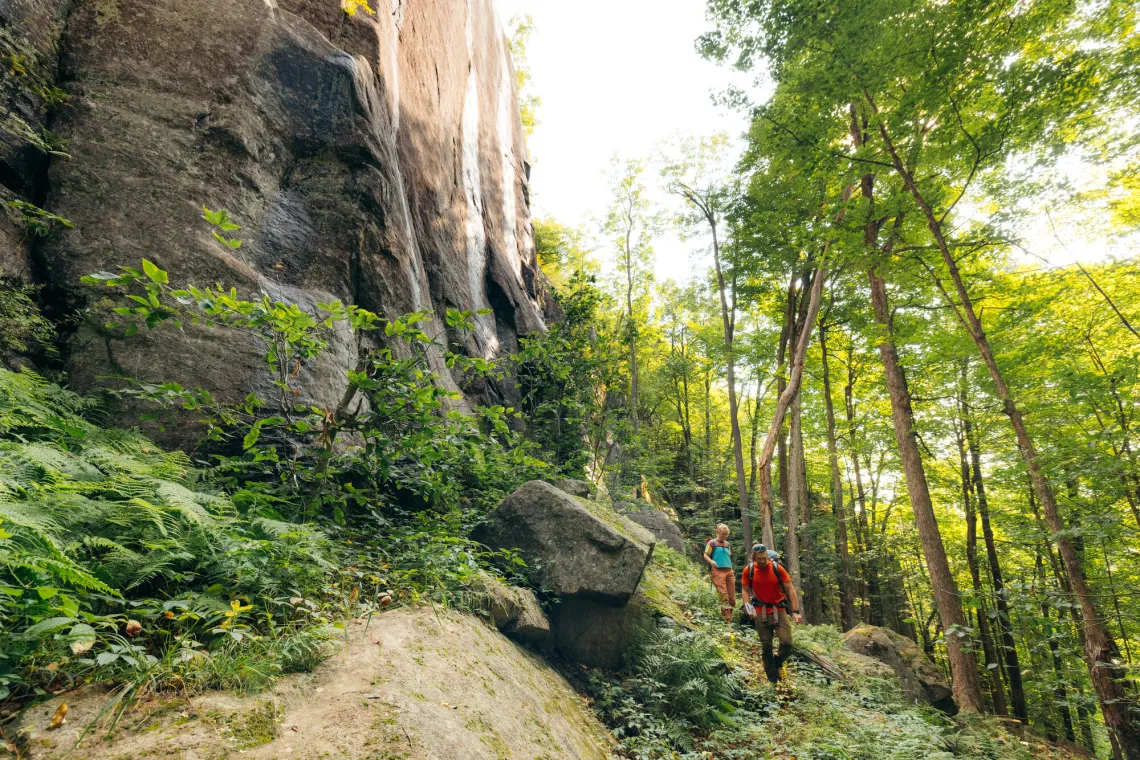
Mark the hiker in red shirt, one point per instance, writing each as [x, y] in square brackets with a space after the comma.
[770, 596]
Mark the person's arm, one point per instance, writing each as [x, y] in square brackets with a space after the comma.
[708, 554]
[793, 597]
[745, 587]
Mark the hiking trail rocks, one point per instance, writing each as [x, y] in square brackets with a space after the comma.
[579, 488]
[570, 550]
[920, 678]
[655, 521]
[514, 611]
[414, 683]
[590, 558]
[373, 158]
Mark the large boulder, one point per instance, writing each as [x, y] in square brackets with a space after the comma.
[571, 549]
[921, 679]
[514, 611]
[663, 527]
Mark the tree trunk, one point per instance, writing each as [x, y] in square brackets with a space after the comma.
[728, 317]
[795, 497]
[1060, 693]
[846, 598]
[787, 335]
[633, 392]
[1005, 624]
[964, 674]
[785, 400]
[997, 691]
[1117, 703]
[752, 446]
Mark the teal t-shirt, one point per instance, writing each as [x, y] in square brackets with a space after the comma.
[719, 553]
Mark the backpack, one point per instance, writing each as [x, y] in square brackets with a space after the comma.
[785, 605]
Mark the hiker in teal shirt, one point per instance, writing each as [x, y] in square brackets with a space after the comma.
[719, 558]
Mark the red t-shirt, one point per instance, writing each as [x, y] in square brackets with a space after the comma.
[765, 586]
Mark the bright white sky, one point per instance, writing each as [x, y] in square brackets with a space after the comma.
[615, 77]
[620, 76]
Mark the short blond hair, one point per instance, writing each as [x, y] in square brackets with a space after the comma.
[721, 525]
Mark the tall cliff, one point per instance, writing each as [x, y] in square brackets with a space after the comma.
[376, 158]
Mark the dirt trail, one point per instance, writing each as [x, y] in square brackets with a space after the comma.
[415, 684]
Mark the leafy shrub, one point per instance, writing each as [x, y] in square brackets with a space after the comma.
[100, 527]
[688, 673]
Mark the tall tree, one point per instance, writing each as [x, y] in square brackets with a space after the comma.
[846, 597]
[703, 177]
[631, 227]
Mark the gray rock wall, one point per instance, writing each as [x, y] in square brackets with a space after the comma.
[377, 159]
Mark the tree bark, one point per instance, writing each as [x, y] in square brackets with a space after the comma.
[1117, 702]
[846, 597]
[787, 335]
[966, 686]
[1005, 623]
[728, 317]
[997, 690]
[795, 497]
[794, 377]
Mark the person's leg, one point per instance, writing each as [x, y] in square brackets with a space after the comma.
[784, 632]
[730, 583]
[720, 579]
[764, 630]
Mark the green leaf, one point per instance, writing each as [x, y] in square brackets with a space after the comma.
[50, 624]
[153, 272]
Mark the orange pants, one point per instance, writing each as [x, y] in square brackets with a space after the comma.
[725, 581]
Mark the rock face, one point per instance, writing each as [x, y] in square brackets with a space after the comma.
[579, 488]
[599, 635]
[375, 158]
[514, 611]
[416, 683]
[570, 550]
[655, 521]
[921, 680]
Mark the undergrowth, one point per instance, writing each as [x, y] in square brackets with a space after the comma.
[695, 688]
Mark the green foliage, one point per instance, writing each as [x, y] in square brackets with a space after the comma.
[521, 29]
[121, 563]
[100, 527]
[688, 676]
[22, 327]
[35, 220]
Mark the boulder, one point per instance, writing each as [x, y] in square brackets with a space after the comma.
[579, 488]
[571, 550]
[920, 678]
[599, 635]
[663, 527]
[514, 611]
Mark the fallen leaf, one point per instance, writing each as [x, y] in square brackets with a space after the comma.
[53, 666]
[134, 628]
[59, 717]
[294, 728]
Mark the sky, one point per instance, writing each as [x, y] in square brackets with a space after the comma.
[620, 76]
[616, 77]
